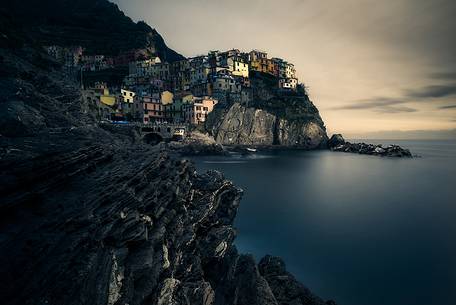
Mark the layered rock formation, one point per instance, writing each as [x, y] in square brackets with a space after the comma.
[272, 118]
[90, 216]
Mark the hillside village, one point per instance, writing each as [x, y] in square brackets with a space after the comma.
[179, 92]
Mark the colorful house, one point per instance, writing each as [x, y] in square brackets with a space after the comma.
[197, 112]
[154, 110]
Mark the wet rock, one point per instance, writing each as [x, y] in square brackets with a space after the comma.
[336, 140]
[370, 149]
[286, 289]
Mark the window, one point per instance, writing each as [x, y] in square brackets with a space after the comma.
[205, 109]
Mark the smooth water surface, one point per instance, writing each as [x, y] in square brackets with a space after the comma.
[362, 230]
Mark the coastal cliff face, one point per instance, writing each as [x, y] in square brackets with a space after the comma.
[272, 118]
[241, 125]
[91, 216]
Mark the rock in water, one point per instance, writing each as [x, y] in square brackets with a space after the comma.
[371, 149]
[336, 140]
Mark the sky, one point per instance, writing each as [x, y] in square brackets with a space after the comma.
[370, 66]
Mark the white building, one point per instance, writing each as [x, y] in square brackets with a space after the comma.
[128, 96]
[238, 66]
[288, 83]
[141, 67]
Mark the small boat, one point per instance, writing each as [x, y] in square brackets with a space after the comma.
[251, 149]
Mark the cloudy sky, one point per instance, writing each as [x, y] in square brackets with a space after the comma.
[370, 65]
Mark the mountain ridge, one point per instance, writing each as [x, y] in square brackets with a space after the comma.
[99, 26]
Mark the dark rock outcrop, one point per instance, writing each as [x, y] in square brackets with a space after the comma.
[286, 289]
[89, 216]
[372, 149]
[197, 144]
[336, 140]
[271, 118]
[97, 25]
[338, 143]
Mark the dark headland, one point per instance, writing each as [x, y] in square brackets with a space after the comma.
[90, 212]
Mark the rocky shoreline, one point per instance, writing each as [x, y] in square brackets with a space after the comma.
[195, 146]
[93, 216]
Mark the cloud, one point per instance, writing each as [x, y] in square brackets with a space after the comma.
[395, 109]
[448, 107]
[389, 104]
[444, 75]
[371, 103]
[436, 91]
[378, 104]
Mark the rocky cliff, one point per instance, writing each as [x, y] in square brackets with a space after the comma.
[272, 118]
[90, 216]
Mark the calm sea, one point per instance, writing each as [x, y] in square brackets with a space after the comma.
[361, 230]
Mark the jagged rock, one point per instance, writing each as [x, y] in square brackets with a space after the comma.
[197, 144]
[241, 125]
[271, 118]
[251, 287]
[89, 216]
[18, 119]
[370, 149]
[286, 289]
[336, 140]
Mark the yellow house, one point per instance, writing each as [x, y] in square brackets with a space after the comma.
[167, 97]
[107, 99]
[186, 99]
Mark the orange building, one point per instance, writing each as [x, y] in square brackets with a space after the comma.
[260, 62]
